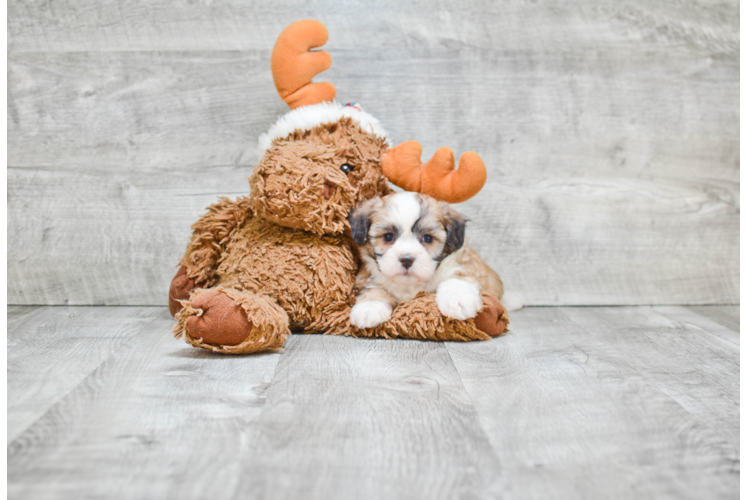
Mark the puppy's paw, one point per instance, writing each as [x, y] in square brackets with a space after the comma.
[370, 313]
[458, 299]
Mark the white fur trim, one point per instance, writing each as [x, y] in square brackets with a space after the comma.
[308, 117]
[513, 301]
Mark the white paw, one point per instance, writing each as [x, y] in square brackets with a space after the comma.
[458, 299]
[370, 313]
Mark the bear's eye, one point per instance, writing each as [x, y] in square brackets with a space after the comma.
[347, 169]
[428, 238]
[388, 237]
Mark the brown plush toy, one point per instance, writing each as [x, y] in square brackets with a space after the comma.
[283, 258]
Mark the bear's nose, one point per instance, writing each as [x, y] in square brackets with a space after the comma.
[406, 261]
[328, 190]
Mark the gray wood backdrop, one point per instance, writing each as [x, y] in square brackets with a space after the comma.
[610, 130]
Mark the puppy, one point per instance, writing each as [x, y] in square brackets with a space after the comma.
[412, 243]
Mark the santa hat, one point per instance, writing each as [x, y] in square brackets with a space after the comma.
[309, 116]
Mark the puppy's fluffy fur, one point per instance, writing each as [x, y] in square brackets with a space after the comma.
[410, 243]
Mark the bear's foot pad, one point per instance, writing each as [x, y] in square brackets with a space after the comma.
[221, 322]
[492, 319]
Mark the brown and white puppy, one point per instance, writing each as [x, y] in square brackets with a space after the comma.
[412, 243]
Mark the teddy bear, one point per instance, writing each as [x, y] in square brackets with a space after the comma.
[283, 258]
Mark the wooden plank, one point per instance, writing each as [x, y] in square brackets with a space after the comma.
[561, 241]
[361, 418]
[235, 25]
[342, 418]
[52, 349]
[573, 403]
[607, 402]
[743, 206]
[694, 362]
[617, 113]
[158, 419]
[16, 312]
[111, 238]
[594, 241]
[727, 316]
[125, 110]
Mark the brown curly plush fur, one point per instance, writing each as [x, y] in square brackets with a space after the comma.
[288, 184]
[285, 253]
[421, 319]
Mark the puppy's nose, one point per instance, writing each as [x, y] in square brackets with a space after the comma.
[406, 261]
[328, 190]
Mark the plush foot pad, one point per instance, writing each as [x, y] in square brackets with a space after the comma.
[492, 319]
[231, 321]
[180, 289]
[222, 322]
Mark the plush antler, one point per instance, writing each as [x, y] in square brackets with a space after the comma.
[294, 64]
[437, 177]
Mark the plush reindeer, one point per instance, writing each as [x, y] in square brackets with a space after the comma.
[282, 259]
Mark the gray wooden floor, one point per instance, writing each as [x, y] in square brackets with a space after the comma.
[614, 402]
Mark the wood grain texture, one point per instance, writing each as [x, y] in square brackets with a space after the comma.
[128, 111]
[342, 417]
[107, 237]
[743, 193]
[157, 419]
[622, 402]
[727, 316]
[53, 349]
[608, 402]
[362, 418]
[235, 25]
[610, 132]
[111, 238]
[619, 113]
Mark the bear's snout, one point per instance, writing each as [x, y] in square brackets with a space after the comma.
[328, 190]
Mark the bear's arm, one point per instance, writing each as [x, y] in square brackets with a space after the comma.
[210, 234]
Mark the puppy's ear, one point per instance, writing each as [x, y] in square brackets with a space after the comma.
[454, 223]
[360, 220]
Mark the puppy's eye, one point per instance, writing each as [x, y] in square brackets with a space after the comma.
[388, 237]
[428, 238]
[347, 169]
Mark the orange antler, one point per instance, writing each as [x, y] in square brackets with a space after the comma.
[437, 177]
[294, 64]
